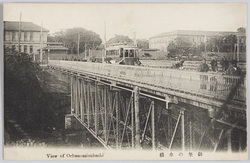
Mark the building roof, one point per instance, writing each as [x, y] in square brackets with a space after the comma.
[25, 26]
[193, 33]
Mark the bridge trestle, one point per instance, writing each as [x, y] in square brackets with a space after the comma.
[130, 117]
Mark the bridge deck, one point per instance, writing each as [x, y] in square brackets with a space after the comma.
[189, 84]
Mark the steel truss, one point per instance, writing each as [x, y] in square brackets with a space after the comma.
[125, 118]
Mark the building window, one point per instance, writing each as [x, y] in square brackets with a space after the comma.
[31, 48]
[25, 49]
[25, 36]
[31, 36]
[13, 36]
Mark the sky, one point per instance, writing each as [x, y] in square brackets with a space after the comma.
[144, 20]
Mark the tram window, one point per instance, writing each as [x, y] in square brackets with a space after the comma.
[126, 53]
[131, 53]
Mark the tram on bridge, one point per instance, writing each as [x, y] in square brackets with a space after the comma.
[122, 54]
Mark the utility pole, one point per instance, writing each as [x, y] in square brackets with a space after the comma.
[135, 43]
[105, 55]
[205, 41]
[238, 48]
[19, 34]
[41, 39]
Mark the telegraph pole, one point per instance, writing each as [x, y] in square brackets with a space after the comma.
[19, 33]
[135, 43]
[105, 55]
[41, 39]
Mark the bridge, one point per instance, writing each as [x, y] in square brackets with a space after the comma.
[134, 107]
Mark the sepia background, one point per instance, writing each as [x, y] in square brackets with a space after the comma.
[104, 24]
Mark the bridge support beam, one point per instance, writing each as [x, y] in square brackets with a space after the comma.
[96, 113]
[133, 122]
[137, 118]
[229, 141]
[71, 93]
[153, 124]
[105, 127]
[182, 129]
[117, 114]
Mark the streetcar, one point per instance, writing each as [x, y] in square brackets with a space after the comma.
[122, 54]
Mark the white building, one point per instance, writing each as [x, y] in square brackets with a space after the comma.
[31, 38]
[162, 40]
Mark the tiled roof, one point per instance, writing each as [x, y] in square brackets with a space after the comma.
[192, 33]
[25, 26]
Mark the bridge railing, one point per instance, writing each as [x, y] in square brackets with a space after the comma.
[213, 85]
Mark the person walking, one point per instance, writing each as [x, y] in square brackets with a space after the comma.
[214, 65]
[233, 69]
[224, 63]
[203, 67]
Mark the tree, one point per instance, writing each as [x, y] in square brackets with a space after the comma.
[172, 49]
[91, 39]
[142, 44]
[22, 93]
[228, 43]
[215, 43]
[180, 46]
[70, 39]
[56, 37]
[241, 30]
[221, 43]
[120, 39]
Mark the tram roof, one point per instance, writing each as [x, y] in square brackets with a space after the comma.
[121, 46]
